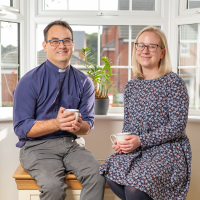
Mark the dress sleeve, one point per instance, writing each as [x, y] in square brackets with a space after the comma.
[24, 104]
[178, 104]
[127, 127]
[86, 107]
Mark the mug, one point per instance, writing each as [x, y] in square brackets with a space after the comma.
[76, 113]
[119, 137]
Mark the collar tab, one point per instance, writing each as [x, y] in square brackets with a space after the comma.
[62, 70]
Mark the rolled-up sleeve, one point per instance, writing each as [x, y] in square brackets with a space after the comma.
[24, 103]
[86, 107]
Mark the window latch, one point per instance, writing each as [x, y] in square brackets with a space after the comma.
[106, 14]
[197, 12]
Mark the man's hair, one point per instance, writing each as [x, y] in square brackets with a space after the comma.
[165, 65]
[57, 22]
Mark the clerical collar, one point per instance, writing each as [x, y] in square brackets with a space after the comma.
[62, 70]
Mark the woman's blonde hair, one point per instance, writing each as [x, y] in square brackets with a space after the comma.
[165, 65]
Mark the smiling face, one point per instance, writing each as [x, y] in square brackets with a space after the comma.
[149, 60]
[60, 55]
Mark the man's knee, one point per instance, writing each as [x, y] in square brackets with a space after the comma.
[92, 175]
[53, 189]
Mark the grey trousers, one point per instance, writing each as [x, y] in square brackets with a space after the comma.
[48, 160]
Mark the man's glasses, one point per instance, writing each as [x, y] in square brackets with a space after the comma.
[151, 47]
[55, 43]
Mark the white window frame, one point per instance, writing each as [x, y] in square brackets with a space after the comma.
[14, 8]
[184, 11]
[185, 48]
[168, 14]
[159, 17]
[17, 14]
[182, 16]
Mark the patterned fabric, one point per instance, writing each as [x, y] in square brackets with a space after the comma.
[156, 111]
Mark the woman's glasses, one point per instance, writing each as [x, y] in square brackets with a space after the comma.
[151, 47]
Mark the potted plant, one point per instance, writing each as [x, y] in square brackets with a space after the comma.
[101, 77]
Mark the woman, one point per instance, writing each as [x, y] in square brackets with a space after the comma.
[155, 160]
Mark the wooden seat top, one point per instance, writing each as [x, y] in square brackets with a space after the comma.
[21, 174]
[26, 182]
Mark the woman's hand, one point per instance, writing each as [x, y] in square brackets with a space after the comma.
[116, 147]
[132, 142]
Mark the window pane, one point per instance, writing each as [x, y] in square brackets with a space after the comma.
[116, 87]
[193, 4]
[114, 5]
[9, 42]
[124, 5]
[83, 5]
[84, 36]
[55, 4]
[5, 2]
[188, 45]
[9, 82]
[143, 4]
[189, 32]
[189, 77]
[41, 55]
[114, 45]
[9, 61]
[189, 61]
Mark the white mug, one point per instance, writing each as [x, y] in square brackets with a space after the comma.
[76, 113]
[119, 137]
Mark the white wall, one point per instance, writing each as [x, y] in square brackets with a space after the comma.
[9, 160]
[98, 142]
[193, 132]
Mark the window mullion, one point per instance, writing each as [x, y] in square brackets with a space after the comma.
[130, 5]
[0, 72]
[197, 70]
[179, 56]
[98, 50]
[11, 3]
[67, 4]
[129, 52]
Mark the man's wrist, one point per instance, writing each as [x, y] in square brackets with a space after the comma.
[56, 124]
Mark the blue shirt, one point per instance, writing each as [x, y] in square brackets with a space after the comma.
[42, 91]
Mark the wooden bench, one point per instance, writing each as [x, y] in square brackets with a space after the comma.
[27, 186]
[25, 182]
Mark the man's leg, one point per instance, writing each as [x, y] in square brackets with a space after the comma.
[43, 161]
[85, 167]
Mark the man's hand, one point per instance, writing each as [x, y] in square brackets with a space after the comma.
[66, 122]
[63, 121]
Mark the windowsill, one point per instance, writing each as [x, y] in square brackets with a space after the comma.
[193, 118]
[110, 116]
[6, 114]
[118, 116]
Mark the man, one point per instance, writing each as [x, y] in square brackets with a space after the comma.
[47, 135]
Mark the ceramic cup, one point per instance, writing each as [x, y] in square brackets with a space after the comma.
[76, 113]
[119, 137]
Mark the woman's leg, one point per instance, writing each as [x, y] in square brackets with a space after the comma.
[132, 193]
[116, 188]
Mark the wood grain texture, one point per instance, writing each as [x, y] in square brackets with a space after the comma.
[25, 182]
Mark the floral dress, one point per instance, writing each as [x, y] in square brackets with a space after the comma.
[157, 111]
